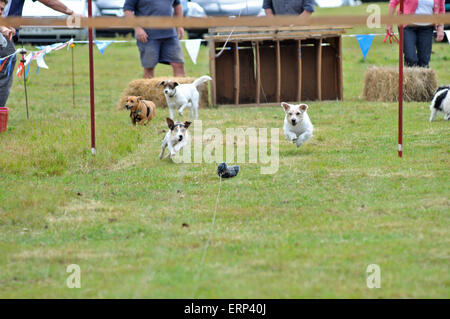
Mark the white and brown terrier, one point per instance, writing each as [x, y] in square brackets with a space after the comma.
[297, 125]
[180, 96]
[176, 138]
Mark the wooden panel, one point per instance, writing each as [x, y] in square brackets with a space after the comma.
[258, 74]
[286, 70]
[329, 74]
[278, 58]
[212, 71]
[268, 71]
[299, 70]
[289, 70]
[319, 69]
[331, 70]
[309, 75]
[225, 77]
[247, 79]
[236, 72]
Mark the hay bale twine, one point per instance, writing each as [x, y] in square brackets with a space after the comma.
[381, 84]
[149, 90]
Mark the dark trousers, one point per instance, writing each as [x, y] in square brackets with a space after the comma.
[417, 45]
[5, 80]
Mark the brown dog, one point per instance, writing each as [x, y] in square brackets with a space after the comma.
[141, 111]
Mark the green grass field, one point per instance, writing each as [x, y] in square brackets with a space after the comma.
[337, 204]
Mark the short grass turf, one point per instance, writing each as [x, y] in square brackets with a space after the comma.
[337, 204]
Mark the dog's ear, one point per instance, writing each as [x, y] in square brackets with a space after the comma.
[162, 83]
[187, 124]
[170, 123]
[175, 84]
[303, 107]
[139, 98]
[285, 106]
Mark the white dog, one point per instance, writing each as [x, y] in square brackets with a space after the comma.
[297, 125]
[441, 102]
[176, 138]
[180, 96]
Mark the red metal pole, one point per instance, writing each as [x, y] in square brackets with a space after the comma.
[91, 76]
[400, 87]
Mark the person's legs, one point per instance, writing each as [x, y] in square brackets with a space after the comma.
[149, 73]
[5, 80]
[172, 53]
[409, 46]
[149, 54]
[424, 45]
[178, 69]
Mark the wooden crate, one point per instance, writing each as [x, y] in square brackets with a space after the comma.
[270, 65]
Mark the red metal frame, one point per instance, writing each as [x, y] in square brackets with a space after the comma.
[91, 76]
[400, 87]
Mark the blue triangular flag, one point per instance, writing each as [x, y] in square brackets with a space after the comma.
[365, 41]
[102, 45]
[9, 66]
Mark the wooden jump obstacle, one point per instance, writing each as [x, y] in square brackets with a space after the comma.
[266, 65]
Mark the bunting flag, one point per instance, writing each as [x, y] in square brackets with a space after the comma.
[9, 66]
[40, 61]
[193, 47]
[365, 41]
[54, 46]
[28, 59]
[102, 45]
[447, 33]
[20, 69]
[2, 63]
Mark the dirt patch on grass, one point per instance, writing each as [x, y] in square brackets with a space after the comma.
[49, 253]
[81, 211]
[377, 172]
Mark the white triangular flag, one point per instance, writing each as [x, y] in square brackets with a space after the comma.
[193, 47]
[447, 33]
[28, 58]
[40, 61]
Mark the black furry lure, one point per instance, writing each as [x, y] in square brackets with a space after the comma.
[225, 171]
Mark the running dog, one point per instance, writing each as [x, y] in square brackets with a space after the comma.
[297, 125]
[180, 96]
[176, 138]
[141, 111]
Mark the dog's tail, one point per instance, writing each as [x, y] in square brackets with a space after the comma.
[201, 80]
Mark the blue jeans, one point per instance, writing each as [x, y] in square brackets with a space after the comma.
[417, 45]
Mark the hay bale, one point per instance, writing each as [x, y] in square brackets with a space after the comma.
[149, 90]
[381, 84]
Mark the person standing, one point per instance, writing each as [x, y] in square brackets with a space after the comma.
[158, 45]
[6, 48]
[289, 7]
[418, 38]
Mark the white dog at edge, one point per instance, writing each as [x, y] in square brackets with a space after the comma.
[441, 102]
[297, 125]
[179, 96]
